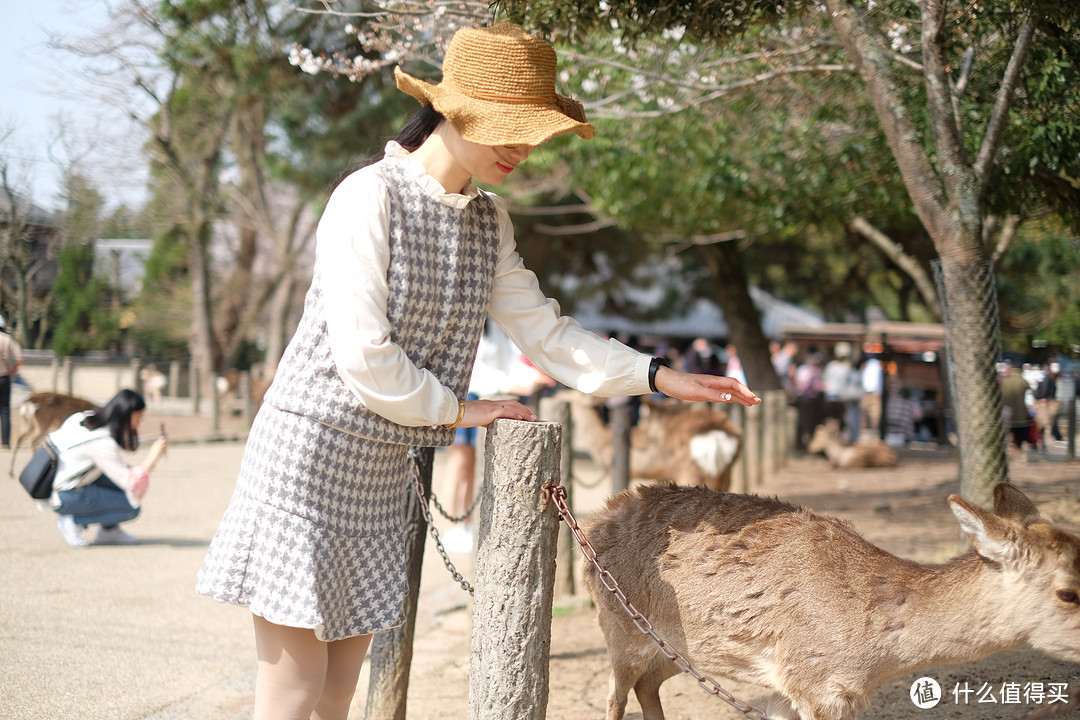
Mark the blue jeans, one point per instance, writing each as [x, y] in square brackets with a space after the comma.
[100, 502]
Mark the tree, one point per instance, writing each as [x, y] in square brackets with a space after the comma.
[944, 125]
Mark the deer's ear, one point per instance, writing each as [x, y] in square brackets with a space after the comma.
[1010, 503]
[995, 538]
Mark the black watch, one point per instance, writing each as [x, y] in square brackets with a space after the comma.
[655, 365]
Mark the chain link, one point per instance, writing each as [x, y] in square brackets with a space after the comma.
[557, 494]
[414, 469]
[442, 511]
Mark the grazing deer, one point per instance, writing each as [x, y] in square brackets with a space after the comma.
[682, 444]
[40, 414]
[768, 593]
[865, 453]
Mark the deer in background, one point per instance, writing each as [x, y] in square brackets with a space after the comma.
[865, 453]
[765, 592]
[40, 414]
[673, 442]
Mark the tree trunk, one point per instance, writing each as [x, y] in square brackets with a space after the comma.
[973, 334]
[732, 293]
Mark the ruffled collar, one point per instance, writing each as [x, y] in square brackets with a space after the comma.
[430, 185]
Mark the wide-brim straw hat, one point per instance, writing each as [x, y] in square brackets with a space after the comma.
[498, 88]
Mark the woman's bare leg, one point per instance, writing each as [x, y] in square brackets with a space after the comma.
[292, 671]
[301, 677]
[345, 658]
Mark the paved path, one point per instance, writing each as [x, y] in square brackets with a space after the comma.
[118, 633]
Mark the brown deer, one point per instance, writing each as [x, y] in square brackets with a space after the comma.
[865, 453]
[768, 593]
[40, 414]
[682, 444]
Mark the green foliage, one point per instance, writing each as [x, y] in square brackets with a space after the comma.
[85, 321]
[1037, 299]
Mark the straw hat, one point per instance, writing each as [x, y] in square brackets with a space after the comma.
[498, 88]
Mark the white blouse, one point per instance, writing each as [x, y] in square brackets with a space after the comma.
[352, 251]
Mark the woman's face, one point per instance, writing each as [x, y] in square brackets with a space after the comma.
[136, 418]
[484, 163]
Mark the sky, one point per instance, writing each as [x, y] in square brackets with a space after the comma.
[36, 83]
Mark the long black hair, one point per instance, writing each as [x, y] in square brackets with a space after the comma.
[413, 134]
[420, 126]
[116, 415]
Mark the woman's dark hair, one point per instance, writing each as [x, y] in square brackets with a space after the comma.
[419, 127]
[413, 134]
[116, 415]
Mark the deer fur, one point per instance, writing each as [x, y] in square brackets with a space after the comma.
[764, 592]
[40, 414]
[865, 453]
[673, 442]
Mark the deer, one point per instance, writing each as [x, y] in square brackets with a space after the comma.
[765, 592]
[865, 453]
[40, 414]
[672, 442]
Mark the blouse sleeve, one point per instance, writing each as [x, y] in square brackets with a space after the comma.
[558, 344]
[105, 454]
[352, 257]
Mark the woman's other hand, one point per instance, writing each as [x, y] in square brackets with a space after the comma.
[703, 388]
[480, 413]
[157, 451]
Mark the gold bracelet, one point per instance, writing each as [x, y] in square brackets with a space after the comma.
[460, 415]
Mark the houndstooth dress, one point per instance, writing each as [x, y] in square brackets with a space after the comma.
[314, 534]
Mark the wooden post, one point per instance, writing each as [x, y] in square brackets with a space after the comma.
[559, 412]
[69, 376]
[737, 413]
[752, 447]
[515, 574]
[195, 382]
[769, 439]
[621, 427]
[244, 385]
[174, 379]
[392, 650]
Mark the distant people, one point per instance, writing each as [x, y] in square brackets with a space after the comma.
[11, 359]
[809, 396]
[701, 357]
[94, 485]
[1014, 390]
[734, 367]
[1047, 403]
[834, 379]
[783, 360]
[902, 412]
[873, 382]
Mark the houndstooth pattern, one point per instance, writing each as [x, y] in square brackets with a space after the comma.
[313, 536]
[442, 264]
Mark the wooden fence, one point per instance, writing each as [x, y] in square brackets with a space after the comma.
[524, 561]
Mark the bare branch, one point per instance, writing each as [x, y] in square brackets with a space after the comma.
[1000, 115]
[905, 262]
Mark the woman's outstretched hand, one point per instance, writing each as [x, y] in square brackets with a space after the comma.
[703, 388]
[480, 413]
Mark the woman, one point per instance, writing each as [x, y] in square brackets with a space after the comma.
[94, 485]
[410, 259]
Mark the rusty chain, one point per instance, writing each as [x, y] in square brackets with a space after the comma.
[557, 494]
[414, 468]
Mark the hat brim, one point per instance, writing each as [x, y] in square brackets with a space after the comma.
[489, 122]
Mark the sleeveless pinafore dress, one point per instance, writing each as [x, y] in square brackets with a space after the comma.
[314, 534]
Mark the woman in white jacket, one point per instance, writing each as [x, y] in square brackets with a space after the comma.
[94, 485]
